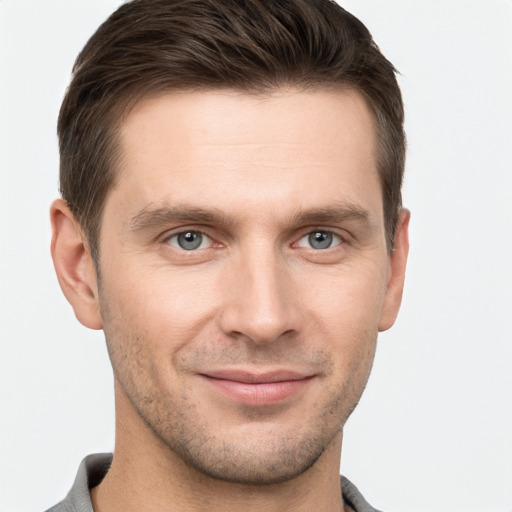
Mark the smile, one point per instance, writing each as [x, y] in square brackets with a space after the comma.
[257, 389]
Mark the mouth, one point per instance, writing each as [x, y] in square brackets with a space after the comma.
[257, 389]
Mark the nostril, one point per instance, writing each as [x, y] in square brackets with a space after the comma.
[240, 323]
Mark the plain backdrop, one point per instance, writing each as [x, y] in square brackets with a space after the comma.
[433, 431]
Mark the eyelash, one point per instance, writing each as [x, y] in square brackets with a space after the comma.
[334, 240]
[176, 236]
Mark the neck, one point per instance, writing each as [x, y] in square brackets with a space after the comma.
[146, 475]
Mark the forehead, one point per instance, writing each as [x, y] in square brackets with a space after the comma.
[227, 149]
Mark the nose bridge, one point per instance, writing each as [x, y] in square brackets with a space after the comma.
[260, 304]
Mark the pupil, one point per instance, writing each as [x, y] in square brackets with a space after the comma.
[190, 240]
[320, 240]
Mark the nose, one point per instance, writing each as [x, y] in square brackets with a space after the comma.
[260, 303]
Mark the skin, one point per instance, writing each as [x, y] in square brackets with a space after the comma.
[255, 175]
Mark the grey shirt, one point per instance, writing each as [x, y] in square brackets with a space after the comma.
[94, 467]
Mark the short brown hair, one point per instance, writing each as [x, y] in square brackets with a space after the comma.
[148, 47]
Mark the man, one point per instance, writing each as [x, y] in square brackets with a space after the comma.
[231, 218]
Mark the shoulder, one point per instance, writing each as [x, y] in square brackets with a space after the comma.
[353, 497]
[61, 507]
[90, 473]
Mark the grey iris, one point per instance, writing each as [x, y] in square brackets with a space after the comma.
[190, 240]
[320, 239]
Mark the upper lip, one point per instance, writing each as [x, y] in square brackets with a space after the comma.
[256, 377]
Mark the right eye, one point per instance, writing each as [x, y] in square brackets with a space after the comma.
[190, 240]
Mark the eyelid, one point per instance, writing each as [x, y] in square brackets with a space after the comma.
[341, 239]
[173, 234]
[166, 239]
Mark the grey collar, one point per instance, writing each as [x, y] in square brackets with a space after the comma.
[94, 467]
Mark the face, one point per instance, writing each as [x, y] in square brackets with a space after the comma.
[245, 276]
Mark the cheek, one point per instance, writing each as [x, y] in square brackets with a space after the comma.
[343, 315]
[348, 299]
[162, 309]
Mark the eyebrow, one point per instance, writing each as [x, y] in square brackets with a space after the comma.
[150, 218]
[332, 215]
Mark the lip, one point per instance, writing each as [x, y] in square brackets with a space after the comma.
[257, 389]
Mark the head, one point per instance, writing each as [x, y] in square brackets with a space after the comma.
[232, 171]
[150, 47]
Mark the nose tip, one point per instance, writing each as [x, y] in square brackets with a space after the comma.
[263, 329]
[259, 306]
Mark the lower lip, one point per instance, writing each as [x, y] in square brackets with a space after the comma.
[261, 393]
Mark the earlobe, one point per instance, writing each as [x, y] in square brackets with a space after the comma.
[396, 272]
[74, 266]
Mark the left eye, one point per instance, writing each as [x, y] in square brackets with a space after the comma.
[190, 240]
[319, 240]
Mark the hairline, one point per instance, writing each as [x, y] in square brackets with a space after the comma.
[124, 106]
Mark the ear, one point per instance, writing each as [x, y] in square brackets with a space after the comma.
[396, 272]
[74, 266]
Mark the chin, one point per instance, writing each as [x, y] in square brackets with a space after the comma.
[240, 465]
[249, 456]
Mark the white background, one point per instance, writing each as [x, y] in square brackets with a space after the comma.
[434, 429]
